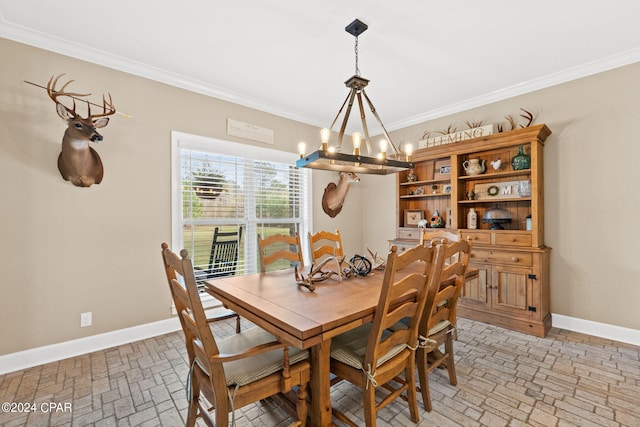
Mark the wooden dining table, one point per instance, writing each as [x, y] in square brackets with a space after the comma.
[303, 319]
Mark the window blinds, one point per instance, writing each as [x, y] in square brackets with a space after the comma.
[228, 192]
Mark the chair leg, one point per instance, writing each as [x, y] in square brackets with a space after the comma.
[423, 373]
[451, 367]
[237, 324]
[369, 406]
[222, 410]
[410, 378]
[192, 413]
[302, 407]
[192, 410]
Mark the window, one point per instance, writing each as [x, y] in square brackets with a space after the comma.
[230, 186]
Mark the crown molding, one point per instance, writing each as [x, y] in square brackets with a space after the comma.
[585, 70]
[84, 53]
[76, 50]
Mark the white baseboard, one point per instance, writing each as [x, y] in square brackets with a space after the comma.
[602, 330]
[51, 353]
[54, 352]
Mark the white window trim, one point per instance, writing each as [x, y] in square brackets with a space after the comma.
[181, 140]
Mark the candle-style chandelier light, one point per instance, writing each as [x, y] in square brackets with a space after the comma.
[331, 158]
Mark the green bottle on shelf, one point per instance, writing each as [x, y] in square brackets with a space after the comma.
[521, 160]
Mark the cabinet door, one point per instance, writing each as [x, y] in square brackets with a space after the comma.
[474, 291]
[511, 290]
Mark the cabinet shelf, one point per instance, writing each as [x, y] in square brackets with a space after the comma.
[495, 200]
[426, 182]
[420, 196]
[494, 175]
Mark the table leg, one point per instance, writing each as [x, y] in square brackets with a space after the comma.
[320, 385]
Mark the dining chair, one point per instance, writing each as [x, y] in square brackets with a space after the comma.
[235, 371]
[174, 270]
[323, 244]
[438, 324]
[372, 355]
[279, 247]
[431, 235]
[440, 235]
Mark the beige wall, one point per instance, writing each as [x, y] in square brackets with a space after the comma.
[66, 250]
[592, 208]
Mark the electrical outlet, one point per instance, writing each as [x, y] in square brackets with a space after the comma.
[85, 319]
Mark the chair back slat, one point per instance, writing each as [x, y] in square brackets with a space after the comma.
[280, 247]
[325, 243]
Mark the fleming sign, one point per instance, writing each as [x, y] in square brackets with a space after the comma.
[456, 137]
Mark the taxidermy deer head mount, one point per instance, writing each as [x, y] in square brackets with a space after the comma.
[78, 162]
[334, 195]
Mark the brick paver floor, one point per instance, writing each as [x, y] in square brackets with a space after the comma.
[505, 378]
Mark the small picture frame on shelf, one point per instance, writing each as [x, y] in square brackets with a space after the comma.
[442, 169]
[412, 217]
[446, 188]
[418, 191]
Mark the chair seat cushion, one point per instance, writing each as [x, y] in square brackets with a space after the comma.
[245, 371]
[440, 326]
[350, 347]
[404, 324]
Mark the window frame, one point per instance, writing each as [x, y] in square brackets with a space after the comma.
[181, 140]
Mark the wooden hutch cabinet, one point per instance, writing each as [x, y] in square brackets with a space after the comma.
[512, 287]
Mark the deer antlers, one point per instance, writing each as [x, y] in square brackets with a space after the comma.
[107, 107]
[512, 122]
[528, 116]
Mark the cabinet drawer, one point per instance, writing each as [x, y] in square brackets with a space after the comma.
[497, 257]
[404, 233]
[477, 238]
[523, 239]
[402, 248]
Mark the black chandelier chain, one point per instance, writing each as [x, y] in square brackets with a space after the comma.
[356, 50]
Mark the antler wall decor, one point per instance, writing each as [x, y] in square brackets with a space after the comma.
[512, 124]
[78, 162]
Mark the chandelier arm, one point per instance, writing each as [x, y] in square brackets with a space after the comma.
[384, 130]
[346, 119]
[365, 130]
[340, 111]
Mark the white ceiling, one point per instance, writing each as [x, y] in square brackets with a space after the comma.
[424, 58]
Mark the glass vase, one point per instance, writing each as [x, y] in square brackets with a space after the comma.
[521, 160]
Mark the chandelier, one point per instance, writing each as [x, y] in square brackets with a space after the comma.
[331, 158]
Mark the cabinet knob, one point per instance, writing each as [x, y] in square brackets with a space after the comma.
[513, 240]
[515, 259]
